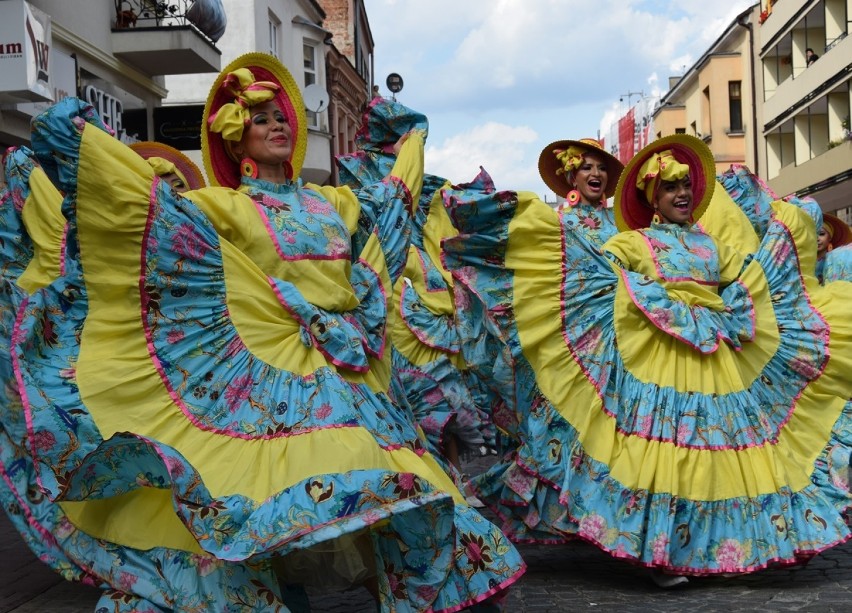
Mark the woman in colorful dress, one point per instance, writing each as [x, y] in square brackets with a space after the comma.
[213, 368]
[685, 411]
[833, 233]
[433, 377]
[586, 176]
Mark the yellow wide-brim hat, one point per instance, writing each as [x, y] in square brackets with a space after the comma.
[633, 211]
[548, 165]
[188, 169]
[221, 169]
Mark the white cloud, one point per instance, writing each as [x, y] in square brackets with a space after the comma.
[499, 148]
[556, 66]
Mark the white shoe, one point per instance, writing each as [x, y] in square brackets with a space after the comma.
[667, 581]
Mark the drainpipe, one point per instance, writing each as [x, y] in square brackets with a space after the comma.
[742, 21]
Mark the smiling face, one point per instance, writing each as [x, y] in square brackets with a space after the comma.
[590, 178]
[267, 140]
[674, 201]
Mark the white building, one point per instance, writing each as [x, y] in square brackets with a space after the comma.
[292, 31]
[113, 53]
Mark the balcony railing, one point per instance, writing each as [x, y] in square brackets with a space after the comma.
[206, 15]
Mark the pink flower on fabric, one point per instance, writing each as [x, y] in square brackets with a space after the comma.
[426, 593]
[235, 346]
[433, 396]
[337, 246]
[661, 317]
[316, 206]
[188, 243]
[289, 236]
[805, 367]
[174, 336]
[730, 555]
[590, 340]
[44, 440]
[520, 482]
[126, 581]
[175, 467]
[705, 253]
[781, 252]
[323, 411]
[64, 528]
[646, 424]
[657, 244]
[237, 391]
[684, 432]
[661, 549]
[462, 299]
[593, 527]
[204, 564]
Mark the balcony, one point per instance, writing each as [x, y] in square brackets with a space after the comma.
[167, 38]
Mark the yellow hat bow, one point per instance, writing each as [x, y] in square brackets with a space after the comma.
[231, 118]
[661, 166]
[570, 158]
[162, 167]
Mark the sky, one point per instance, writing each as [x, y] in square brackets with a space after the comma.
[501, 79]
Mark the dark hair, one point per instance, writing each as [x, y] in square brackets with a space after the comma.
[809, 49]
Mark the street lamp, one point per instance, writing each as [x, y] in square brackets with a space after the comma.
[640, 93]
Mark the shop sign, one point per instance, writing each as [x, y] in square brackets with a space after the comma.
[25, 52]
[63, 82]
[110, 102]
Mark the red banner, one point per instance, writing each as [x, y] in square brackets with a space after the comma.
[626, 137]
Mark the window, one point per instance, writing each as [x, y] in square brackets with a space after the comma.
[309, 53]
[680, 131]
[735, 105]
[274, 28]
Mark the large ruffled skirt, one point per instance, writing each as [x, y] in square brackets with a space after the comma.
[182, 438]
[636, 432]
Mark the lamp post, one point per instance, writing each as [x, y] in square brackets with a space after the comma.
[628, 95]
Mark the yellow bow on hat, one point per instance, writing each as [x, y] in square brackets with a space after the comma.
[570, 158]
[162, 167]
[232, 117]
[661, 166]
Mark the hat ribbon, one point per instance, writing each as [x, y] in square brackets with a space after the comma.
[232, 117]
[662, 166]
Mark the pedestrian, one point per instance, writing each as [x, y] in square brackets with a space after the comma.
[684, 412]
[810, 57]
[211, 367]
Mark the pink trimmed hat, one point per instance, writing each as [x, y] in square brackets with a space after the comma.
[633, 211]
[221, 168]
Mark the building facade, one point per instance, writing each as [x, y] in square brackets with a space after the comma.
[714, 100]
[806, 105]
[107, 52]
[350, 69]
[756, 98]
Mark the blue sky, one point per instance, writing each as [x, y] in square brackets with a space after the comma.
[500, 79]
